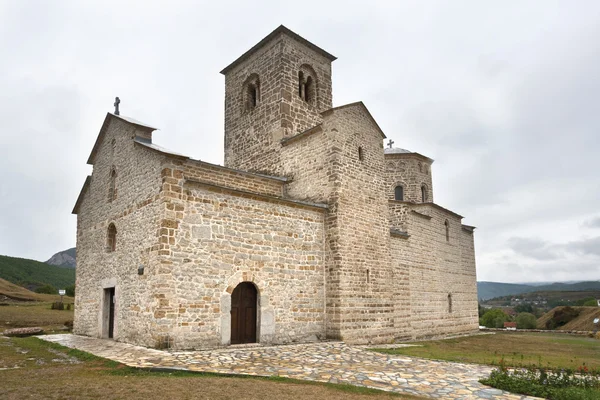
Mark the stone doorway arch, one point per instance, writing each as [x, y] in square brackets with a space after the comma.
[244, 305]
[265, 313]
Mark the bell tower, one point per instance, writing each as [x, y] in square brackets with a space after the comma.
[275, 90]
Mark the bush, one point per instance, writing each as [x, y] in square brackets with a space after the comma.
[57, 305]
[562, 317]
[494, 318]
[555, 385]
[591, 303]
[70, 290]
[526, 321]
[46, 289]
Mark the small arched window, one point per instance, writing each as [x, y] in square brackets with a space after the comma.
[447, 224]
[307, 84]
[309, 90]
[449, 302]
[111, 238]
[399, 193]
[251, 92]
[423, 193]
[112, 188]
[361, 156]
[420, 167]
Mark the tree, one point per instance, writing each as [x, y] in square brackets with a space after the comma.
[591, 303]
[526, 321]
[494, 318]
[47, 289]
[70, 291]
[524, 308]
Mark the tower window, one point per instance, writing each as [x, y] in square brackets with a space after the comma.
[251, 92]
[450, 302]
[447, 224]
[399, 193]
[112, 188]
[307, 84]
[423, 193]
[361, 156]
[111, 238]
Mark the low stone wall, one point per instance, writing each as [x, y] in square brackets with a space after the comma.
[583, 333]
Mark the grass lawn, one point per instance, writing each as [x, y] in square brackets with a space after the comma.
[26, 314]
[552, 350]
[49, 371]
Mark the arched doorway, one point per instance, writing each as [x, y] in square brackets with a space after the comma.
[243, 313]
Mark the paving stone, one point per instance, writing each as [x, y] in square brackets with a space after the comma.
[333, 362]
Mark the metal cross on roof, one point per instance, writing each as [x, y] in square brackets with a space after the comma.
[390, 143]
[117, 102]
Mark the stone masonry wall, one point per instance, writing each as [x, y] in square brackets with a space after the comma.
[213, 239]
[410, 171]
[438, 268]
[135, 214]
[252, 137]
[306, 162]
[360, 290]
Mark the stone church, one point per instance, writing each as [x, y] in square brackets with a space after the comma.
[311, 230]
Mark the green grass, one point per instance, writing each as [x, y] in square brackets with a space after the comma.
[81, 375]
[28, 314]
[22, 271]
[549, 350]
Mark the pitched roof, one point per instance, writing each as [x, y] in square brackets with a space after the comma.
[107, 119]
[355, 104]
[280, 30]
[86, 184]
[399, 151]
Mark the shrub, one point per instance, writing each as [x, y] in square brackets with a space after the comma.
[70, 290]
[494, 318]
[46, 289]
[591, 303]
[526, 321]
[581, 384]
[57, 305]
[561, 317]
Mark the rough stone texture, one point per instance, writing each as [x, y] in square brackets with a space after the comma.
[317, 231]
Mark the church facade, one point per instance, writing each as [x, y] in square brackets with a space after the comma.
[311, 230]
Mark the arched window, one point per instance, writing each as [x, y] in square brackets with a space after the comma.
[399, 193]
[112, 188]
[447, 224]
[420, 167]
[423, 193]
[251, 92]
[307, 84]
[361, 156]
[309, 90]
[111, 238]
[449, 302]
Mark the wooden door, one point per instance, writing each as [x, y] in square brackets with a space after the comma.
[243, 314]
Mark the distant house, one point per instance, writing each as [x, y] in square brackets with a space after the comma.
[511, 326]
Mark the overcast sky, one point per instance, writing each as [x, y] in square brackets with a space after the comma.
[504, 96]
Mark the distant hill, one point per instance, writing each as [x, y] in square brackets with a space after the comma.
[583, 322]
[490, 290]
[10, 291]
[65, 259]
[32, 274]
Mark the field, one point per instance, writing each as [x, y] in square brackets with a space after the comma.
[49, 371]
[550, 350]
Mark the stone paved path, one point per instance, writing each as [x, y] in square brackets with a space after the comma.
[333, 362]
